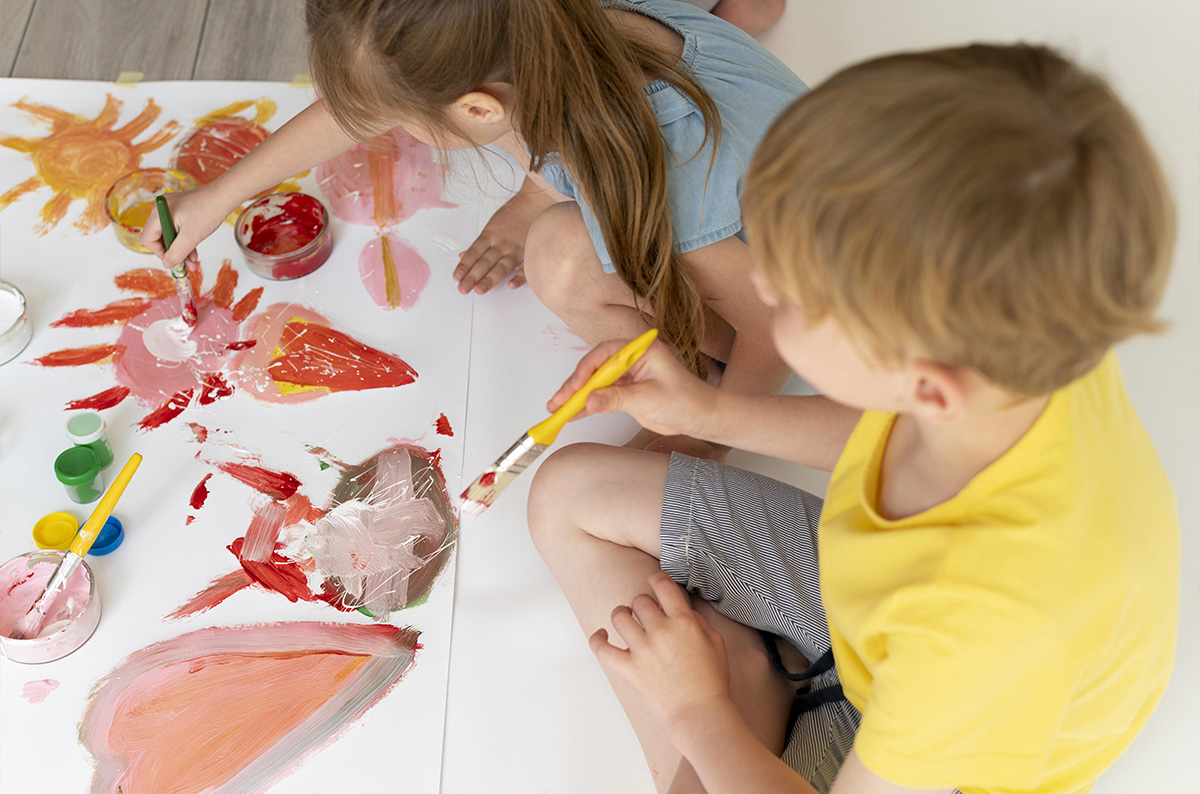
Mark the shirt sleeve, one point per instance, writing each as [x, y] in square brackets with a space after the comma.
[970, 691]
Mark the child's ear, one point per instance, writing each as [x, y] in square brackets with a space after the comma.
[481, 107]
[939, 392]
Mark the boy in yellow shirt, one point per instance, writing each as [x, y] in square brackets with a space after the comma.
[949, 243]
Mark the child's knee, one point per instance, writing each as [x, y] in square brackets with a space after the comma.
[558, 250]
[555, 490]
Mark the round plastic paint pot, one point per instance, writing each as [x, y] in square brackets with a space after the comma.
[67, 627]
[86, 429]
[109, 538]
[284, 235]
[130, 201]
[78, 469]
[54, 532]
[15, 328]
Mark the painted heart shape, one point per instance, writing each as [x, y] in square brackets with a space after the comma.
[162, 721]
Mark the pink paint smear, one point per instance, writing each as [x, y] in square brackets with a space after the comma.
[38, 691]
[235, 710]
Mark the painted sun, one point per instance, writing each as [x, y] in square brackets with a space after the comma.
[82, 157]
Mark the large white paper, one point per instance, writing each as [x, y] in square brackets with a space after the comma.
[166, 559]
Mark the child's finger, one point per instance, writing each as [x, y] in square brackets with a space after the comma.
[518, 277]
[647, 611]
[671, 597]
[606, 653]
[627, 626]
[583, 370]
[470, 256]
[500, 268]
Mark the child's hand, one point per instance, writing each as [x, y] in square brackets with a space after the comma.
[197, 214]
[657, 391]
[676, 660]
[499, 249]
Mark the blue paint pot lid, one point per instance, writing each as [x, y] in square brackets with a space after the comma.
[110, 537]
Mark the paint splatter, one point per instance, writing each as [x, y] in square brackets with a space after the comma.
[98, 402]
[263, 698]
[81, 158]
[564, 336]
[37, 691]
[275, 484]
[286, 353]
[379, 546]
[200, 492]
[443, 426]
[393, 272]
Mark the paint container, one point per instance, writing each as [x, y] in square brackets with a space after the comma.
[111, 535]
[78, 469]
[15, 328]
[54, 532]
[73, 621]
[284, 235]
[86, 429]
[131, 200]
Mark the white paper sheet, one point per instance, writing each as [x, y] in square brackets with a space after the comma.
[164, 561]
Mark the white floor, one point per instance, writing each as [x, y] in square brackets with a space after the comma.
[528, 709]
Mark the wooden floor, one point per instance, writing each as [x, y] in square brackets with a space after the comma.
[162, 39]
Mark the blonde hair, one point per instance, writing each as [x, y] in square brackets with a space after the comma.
[578, 95]
[990, 207]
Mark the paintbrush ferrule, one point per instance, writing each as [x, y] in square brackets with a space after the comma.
[519, 456]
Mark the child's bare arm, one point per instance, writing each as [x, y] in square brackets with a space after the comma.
[664, 397]
[308, 139]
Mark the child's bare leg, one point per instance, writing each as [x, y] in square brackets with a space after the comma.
[594, 517]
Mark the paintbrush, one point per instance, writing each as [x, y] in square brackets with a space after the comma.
[483, 491]
[31, 624]
[183, 284]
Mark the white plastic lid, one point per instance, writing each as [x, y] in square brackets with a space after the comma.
[85, 427]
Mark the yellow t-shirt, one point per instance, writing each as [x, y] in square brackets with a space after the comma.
[1017, 636]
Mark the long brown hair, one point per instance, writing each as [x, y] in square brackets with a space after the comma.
[578, 94]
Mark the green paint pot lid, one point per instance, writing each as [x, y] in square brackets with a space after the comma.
[85, 428]
[76, 466]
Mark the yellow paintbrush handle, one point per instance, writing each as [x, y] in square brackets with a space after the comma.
[86, 535]
[605, 375]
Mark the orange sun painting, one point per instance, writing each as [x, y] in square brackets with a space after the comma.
[81, 158]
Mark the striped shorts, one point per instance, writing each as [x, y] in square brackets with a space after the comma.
[747, 544]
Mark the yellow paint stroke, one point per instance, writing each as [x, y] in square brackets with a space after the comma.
[81, 158]
[264, 111]
[391, 281]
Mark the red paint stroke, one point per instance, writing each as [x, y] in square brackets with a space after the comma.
[300, 220]
[112, 314]
[222, 291]
[322, 357]
[488, 479]
[98, 402]
[242, 345]
[215, 593]
[276, 484]
[200, 493]
[200, 433]
[277, 573]
[443, 426]
[151, 282]
[215, 388]
[435, 458]
[189, 521]
[299, 508]
[164, 413]
[242, 309]
[77, 356]
[211, 150]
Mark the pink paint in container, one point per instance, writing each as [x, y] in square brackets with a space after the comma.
[73, 621]
[284, 235]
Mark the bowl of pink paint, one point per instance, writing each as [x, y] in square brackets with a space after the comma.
[284, 235]
[71, 622]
